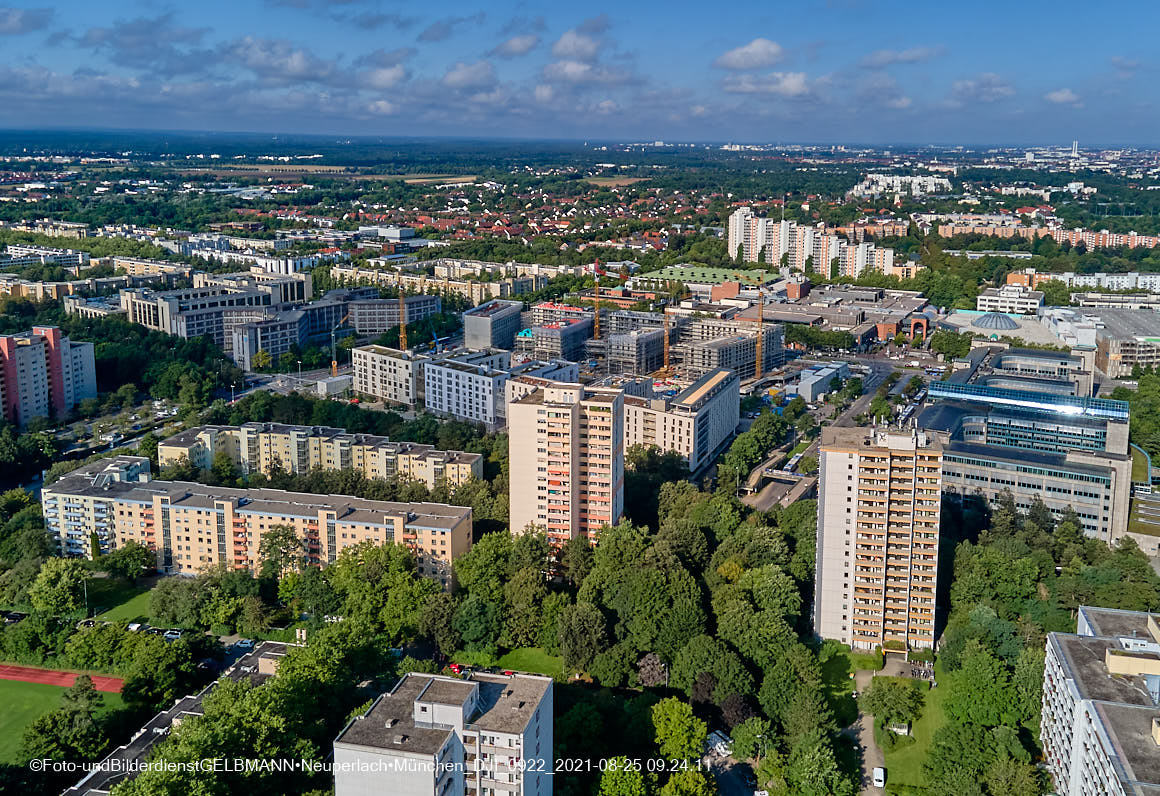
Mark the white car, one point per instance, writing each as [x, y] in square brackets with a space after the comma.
[879, 777]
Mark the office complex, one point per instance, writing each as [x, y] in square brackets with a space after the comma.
[265, 447]
[1010, 298]
[492, 325]
[431, 735]
[1100, 725]
[193, 527]
[468, 386]
[566, 447]
[44, 374]
[878, 537]
[1023, 422]
[697, 423]
[388, 374]
[378, 315]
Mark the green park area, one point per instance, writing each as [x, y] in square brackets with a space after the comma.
[24, 703]
[904, 762]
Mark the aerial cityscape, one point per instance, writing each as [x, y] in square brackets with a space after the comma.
[485, 402]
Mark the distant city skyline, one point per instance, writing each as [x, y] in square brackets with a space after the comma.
[848, 71]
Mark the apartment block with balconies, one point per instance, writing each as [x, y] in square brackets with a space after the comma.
[878, 537]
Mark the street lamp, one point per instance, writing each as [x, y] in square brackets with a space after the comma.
[300, 373]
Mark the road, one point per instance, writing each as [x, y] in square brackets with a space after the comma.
[776, 492]
[862, 731]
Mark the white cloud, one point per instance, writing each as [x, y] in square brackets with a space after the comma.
[1063, 96]
[478, 75]
[782, 84]
[544, 93]
[576, 72]
[516, 46]
[381, 108]
[576, 46]
[912, 55]
[758, 53]
[898, 103]
[384, 77]
[987, 87]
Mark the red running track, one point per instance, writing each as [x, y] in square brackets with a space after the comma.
[32, 674]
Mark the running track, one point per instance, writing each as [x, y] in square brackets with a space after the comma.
[30, 674]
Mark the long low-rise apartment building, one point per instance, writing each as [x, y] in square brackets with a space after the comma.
[264, 447]
[193, 527]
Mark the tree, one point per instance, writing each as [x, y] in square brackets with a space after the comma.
[679, 734]
[478, 623]
[981, 692]
[620, 778]
[950, 344]
[1010, 777]
[524, 596]
[262, 360]
[750, 738]
[58, 587]
[892, 701]
[437, 623]
[813, 768]
[582, 635]
[128, 561]
[70, 732]
[281, 551]
[688, 783]
[224, 471]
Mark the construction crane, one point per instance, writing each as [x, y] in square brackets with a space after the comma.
[402, 320]
[333, 348]
[596, 301]
[760, 336]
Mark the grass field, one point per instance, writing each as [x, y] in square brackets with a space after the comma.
[25, 702]
[110, 594]
[532, 659]
[905, 764]
[132, 607]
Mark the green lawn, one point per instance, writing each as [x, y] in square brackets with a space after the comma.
[904, 765]
[113, 599]
[23, 703]
[533, 660]
[801, 446]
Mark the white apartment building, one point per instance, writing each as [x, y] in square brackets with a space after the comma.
[432, 735]
[1100, 725]
[879, 499]
[1015, 299]
[855, 259]
[388, 374]
[566, 446]
[695, 424]
[468, 386]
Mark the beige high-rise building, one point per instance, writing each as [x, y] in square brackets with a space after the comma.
[878, 534]
[566, 446]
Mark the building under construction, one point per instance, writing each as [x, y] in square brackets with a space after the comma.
[710, 344]
[634, 343]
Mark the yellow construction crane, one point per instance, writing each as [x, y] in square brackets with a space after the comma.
[402, 320]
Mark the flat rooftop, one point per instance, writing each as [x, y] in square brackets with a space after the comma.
[703, 388]
[505, 704]
[1114, 622]
[1137, 756]
[495, 307]
[1124, 324]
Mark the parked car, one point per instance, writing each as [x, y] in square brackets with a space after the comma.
[245, 644]
[879, 777]
[172, 635]
[136, 626]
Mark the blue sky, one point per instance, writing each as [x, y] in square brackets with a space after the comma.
[1020, 71]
